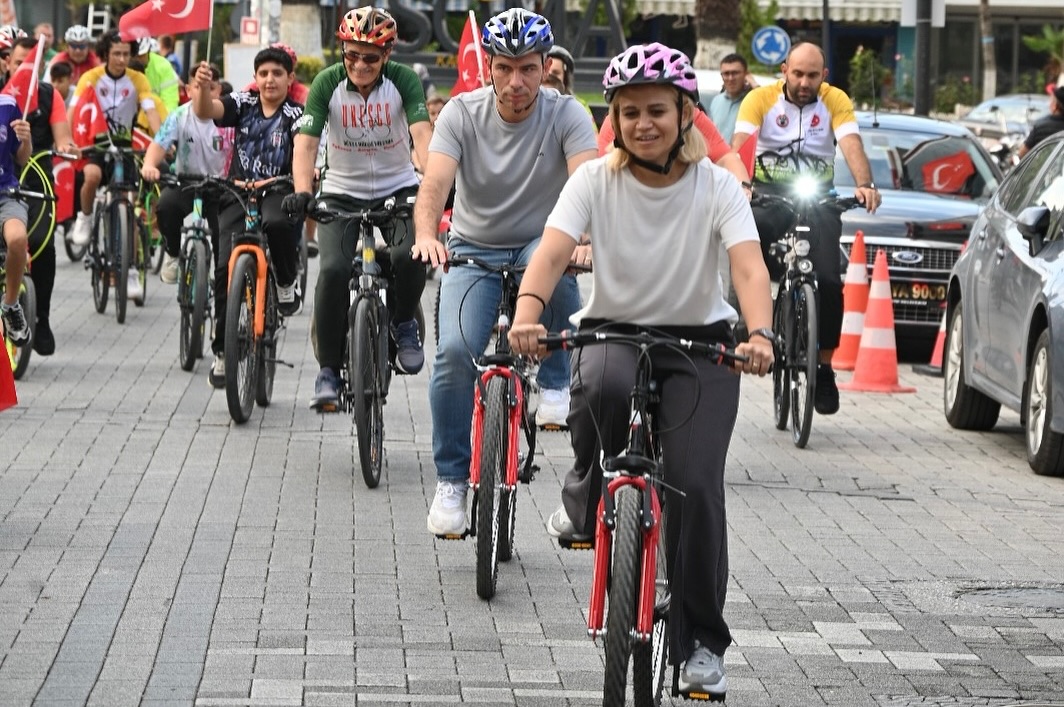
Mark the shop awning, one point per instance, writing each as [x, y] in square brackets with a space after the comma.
[841, 10]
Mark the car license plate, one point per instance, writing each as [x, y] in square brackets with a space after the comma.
[918, 292]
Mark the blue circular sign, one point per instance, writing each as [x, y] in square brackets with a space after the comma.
[770, 45]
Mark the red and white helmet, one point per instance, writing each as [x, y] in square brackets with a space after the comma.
[368, 24]
[650, 64]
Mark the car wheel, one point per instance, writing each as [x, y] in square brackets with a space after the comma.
[1045, 448]
[965, 407]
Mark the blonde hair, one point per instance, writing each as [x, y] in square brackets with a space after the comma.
[694, 145]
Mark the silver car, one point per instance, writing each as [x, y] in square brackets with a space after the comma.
[1005, 311]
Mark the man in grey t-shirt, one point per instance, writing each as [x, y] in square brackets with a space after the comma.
[509, 148]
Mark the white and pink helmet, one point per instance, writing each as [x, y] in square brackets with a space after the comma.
[650, 63]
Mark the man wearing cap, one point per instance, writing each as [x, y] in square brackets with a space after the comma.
[1046, 125]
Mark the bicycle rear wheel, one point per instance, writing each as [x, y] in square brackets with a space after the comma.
[623, 595]
[781, 369]
[192, 299]
[650, 660]
[122, 254]
[489, 494]
[364, 367]
[241, 346]
[27, 297]
[803, 381]
[267, 357]
[100, 253]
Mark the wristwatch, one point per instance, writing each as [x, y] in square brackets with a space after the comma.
[764, 334]
[867, 185]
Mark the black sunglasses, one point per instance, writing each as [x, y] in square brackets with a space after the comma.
[369, 59]
[76, 45]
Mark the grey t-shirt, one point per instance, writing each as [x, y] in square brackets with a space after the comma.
[509, 174]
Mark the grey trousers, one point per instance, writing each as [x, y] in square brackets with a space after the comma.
[695, 419]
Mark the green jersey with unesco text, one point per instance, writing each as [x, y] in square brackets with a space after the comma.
[367, 152]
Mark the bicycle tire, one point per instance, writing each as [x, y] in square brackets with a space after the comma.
[267, 355]
[122, 249]
[493, 448]
[155, 250]
[508, 512]
[781, 369]
[100, 270]
[192, 299]
[142, 258]
[40, 213]
[803, 389]
[364, 366]
[303, 257]
[240, 344]
[650, 660]
[74, 252]
[622, 593]
[27, 297]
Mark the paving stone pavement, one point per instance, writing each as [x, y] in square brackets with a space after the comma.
[152, 552]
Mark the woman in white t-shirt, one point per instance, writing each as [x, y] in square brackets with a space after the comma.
[657, 212]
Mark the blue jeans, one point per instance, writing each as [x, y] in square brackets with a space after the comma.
[472, 294]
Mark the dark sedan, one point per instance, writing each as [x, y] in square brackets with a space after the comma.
[935, 178]
[1005, 338]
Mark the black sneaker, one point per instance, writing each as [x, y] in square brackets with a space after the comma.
[312, 249]
[409, 357]
[43, 339]
[15, 326]
[288, 299]
[826, 401]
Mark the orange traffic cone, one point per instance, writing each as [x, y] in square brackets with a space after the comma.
[876, 370]
[934, 366]
[855, 301]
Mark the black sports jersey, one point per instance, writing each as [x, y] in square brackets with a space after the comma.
[262, 146]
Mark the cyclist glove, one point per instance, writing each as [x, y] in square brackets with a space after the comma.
[295, 205]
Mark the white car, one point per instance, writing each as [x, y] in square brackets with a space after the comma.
[710, 84]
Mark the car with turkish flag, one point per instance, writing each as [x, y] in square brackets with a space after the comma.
[935, 178]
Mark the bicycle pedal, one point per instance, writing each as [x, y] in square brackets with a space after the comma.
[455, 536]
[328, 407]
[570, 544]
[552, 427]
[700, 696]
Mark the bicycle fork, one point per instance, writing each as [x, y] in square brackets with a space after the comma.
[604, 526]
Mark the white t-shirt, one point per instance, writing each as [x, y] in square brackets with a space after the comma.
[202, 147]
[656, 249]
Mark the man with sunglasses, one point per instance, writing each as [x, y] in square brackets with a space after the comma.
[374, 108]
[78, 53]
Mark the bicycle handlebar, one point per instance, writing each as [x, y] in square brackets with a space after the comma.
[391, 210]
[840, 203]
[574, 339]
[17, 192]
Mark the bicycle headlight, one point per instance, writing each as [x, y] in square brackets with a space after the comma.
[801, 248]
[806, 186]
[806, 266]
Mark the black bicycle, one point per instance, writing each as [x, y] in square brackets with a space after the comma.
[630, 567]
[794, 312]
[369, 360]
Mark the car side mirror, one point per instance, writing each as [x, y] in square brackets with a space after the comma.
[1033, 225]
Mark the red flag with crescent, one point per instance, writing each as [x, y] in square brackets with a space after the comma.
[89, 120]
[63, 175]
[22, 86]
[472, 71]
[157, 17]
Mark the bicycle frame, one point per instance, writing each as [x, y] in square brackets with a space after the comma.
[256, 249]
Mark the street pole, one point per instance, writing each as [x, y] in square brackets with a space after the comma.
[922, 79]
[825, 29]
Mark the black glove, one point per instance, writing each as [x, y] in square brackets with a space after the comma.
[295, 205]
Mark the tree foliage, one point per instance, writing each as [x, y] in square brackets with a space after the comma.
[751, 19]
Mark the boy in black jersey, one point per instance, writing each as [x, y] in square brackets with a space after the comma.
[265, 120]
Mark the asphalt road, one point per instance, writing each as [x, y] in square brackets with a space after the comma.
[153, 552]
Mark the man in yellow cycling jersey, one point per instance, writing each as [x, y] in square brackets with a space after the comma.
[120, 93]
[800, 119]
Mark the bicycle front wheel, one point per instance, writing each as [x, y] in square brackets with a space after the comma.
[492, 475]
[27, 297]
[267, 356]
[803, 374]
[192, 299]
[122, 248]
[364, 367]
[650, 660]
[623, 594]
[781, 369]
[241, 347]
[142, 259]
[100, 270]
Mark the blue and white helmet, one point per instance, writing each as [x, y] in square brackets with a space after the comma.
[517, 32]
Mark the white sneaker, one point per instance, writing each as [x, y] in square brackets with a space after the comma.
[288, 299]
[168, 272]
[134, 290]
[553, 409]
[216, 376]
[447, 516]
[82, 232]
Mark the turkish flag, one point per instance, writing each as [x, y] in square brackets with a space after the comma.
[63, 175]
[157, 17]
[141, 139]
[947, 174]
[747, 152]
[472, 72]
[23, 83]
[89, 120]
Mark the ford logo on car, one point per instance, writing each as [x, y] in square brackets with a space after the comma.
[907, 257]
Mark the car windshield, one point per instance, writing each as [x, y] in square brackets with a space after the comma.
[925, 162]
[1018, 112]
